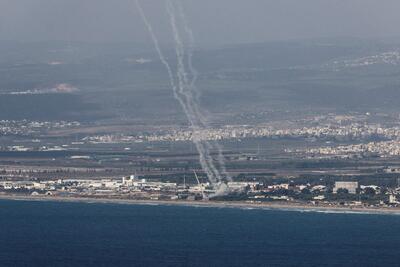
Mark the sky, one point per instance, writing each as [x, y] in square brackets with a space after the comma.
[213, 21]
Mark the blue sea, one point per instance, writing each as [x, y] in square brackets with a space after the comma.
[88, 234]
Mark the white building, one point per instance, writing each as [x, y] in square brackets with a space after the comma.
[351, 187]
[237, 186]
[128, 181]
[320, 197]
[279, 186]
[318, 188]
[393, 199]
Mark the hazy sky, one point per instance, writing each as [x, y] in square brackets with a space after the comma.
[213, 21]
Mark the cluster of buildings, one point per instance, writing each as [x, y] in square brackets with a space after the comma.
[127, 187]
[381, 149]
[348, 127]
[21, 148]
[133, 188]
[340, 193]
[26, 127]
[390, 57]
[353, 131]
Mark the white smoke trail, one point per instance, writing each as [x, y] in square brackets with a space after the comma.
[205, 161]
[194, 74]
[184, 89]
[190, 47]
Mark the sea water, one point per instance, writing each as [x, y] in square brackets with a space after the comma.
[41, 233]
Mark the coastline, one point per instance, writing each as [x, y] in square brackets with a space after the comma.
[296, 207]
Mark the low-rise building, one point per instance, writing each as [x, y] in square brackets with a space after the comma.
[393, 199]
[351, 187]
[320, 197]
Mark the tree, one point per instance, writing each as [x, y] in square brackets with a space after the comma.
[369, 191]
[306, 191]
[342, 191]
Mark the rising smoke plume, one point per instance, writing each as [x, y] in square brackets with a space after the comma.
[186, 93]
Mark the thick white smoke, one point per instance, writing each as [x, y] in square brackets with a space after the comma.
[185, 92]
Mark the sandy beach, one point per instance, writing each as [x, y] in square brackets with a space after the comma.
[299, 207]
